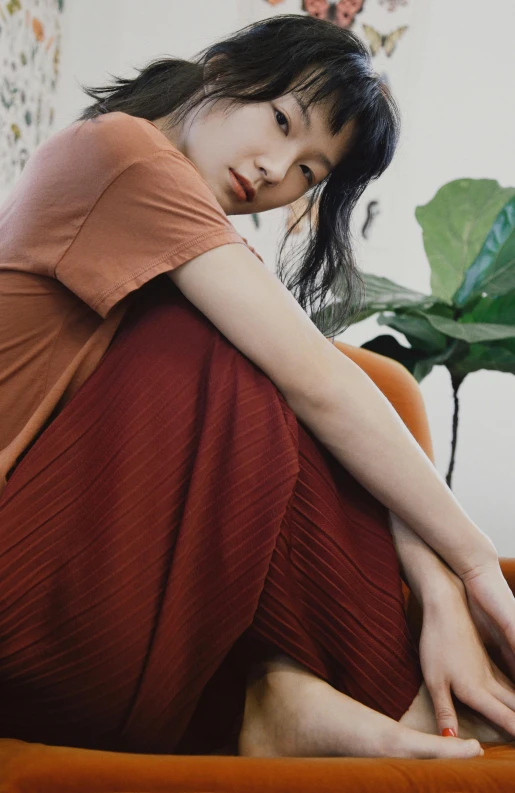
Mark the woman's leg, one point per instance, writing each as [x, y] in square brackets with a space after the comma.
[291, 713]
[333, 604]
[332, 600]
[136, 535]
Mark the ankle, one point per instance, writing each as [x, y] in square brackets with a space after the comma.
[257, 734]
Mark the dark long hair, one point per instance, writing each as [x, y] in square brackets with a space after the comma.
[259, 63]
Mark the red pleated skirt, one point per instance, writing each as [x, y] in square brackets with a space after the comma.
[174, 525]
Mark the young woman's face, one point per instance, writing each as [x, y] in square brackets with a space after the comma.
[279, 151]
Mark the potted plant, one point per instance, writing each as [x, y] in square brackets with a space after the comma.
[468, 321]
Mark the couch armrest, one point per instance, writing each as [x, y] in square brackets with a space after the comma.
[399, 387]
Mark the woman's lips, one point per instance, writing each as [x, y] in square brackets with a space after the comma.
[242, 186]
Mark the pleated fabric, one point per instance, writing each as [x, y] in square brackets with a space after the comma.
[173, 525]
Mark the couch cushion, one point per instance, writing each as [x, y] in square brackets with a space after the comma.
[36, 768]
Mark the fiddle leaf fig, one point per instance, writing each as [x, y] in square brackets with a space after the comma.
[497, 356]
[383, 294]
[418, 331]
[500, 310]
[471, 331]
[468, 322]
[493, 271]
[454, 225]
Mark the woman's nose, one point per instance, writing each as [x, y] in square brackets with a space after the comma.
[274, 171]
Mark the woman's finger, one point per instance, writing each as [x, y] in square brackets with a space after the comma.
[501, 677]
[504, 694]
[445, 713]
[504, 644]
[494, 709]
[509, 658]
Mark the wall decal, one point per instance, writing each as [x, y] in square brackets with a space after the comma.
[342, 13]
[389, 41]
[393, 5]
[30, 42]
[372, 212]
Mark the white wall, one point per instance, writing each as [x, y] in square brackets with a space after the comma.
[460, 122]
[104, 37]
[453, 76]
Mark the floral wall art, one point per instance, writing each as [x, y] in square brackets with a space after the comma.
[30, 44]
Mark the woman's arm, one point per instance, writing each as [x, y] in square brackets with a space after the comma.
[354, 420]
[332, 396]
[422, 569]
[359, 426]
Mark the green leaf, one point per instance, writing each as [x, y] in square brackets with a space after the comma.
[384, 295]
[364, 315]
[388, 346]
[471, 332]
[455, 224]
[417, 362]
[499, 356]
[381, 295]
[493, 270]
[500, 310]
[323, 318]
[440, 310]
[423, 368]
[418, 331]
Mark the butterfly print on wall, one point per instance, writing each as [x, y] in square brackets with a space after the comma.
[393, 5]
[341, 13]
[388, 42]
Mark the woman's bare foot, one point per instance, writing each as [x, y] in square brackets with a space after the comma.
[421, 717]
[291, 713]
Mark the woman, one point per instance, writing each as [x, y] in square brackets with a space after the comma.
[196, 545]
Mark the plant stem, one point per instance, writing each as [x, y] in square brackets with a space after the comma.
[456, 382]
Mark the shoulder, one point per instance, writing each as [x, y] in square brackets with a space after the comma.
[116, 138]
[90, 155]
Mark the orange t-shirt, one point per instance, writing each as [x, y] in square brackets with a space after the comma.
[102, 207]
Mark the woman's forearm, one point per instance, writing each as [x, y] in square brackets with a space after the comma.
[358, 425]
[422, 569]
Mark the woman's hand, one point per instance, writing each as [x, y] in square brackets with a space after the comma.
[459, 612]
[454, 659]
[492, 607]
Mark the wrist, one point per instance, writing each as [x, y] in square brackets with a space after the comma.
[483, 557]
[426, 574]
[443, 585]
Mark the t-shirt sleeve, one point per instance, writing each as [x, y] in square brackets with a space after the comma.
[154, 216]
[252, 250]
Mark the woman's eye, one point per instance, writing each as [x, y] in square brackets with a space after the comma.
[309, 175]
[284, 121]
[281, 119]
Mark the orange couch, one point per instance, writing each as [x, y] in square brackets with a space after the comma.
[37, 768]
